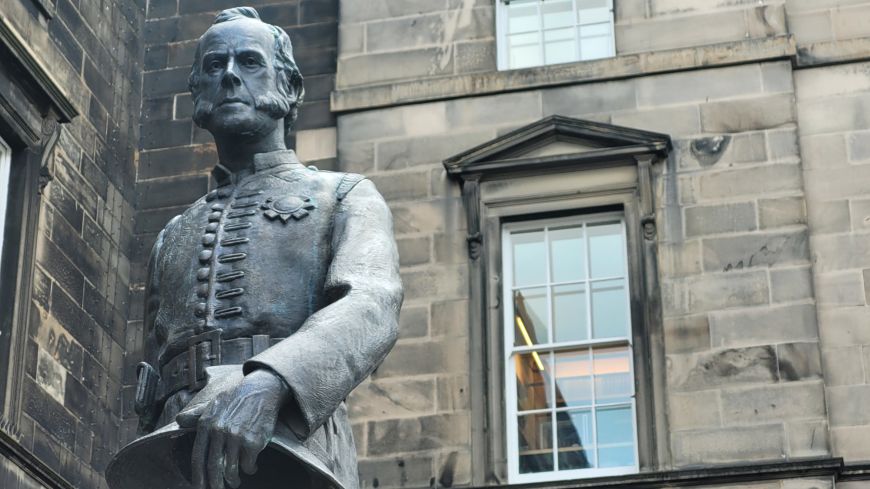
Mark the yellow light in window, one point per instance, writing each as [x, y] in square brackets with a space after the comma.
[528, 340]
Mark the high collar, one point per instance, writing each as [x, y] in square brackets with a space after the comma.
[262, 162]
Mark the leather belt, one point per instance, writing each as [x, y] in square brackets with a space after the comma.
[187, 369]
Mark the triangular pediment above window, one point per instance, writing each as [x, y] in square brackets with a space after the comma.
[558, 143]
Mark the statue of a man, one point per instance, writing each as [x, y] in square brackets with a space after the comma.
[268, 300]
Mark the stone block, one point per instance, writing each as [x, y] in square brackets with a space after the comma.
[844, 365]
[748, 114]
[451, 248]
[716, 219]
[858, 145]
[730, 367]
[859, 484]
[405, 185]
[755, 250]
[834, 114]
[630, 10]
[414, 251]
[808, 438]
[356, 157]
[431, 283]
[489, 111]
[860, 214]
[777, 77]
[386, 9]
[829, 216]
[400, 471]
[850, 442]
[413, 322]
[680, 32]
[678, 121]
[818, 483]
[438, 356]
[578, 100]
[773, 403]
[687, 334]
[811, 26]
[837, 183]
[392, 399]
[737, 289]
[844, 326]
[680, 259]
[450, 319]
[822, 151]
[316, 144]
[377, 68]
[793, 284]
[799, 361]
[842, 79]
[351, 39]
[406, 32]
[840, 288]
[847, 22]
[783, 144]
[420, 433]
[431, 150]
[698, 86]
[780, 212]
[694, 410]
[453, 393]
[841, 252]
[475, 56]
[453, 468]
[847, 405]
[733, 444]
[763, 325]
[428, 216]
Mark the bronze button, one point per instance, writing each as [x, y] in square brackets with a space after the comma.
[215, 216]
[208, 239]
[211, 227]
[211, 196]
[218, 207]
[203, 273]
[202, 290]
[200, 309]
[205, 256]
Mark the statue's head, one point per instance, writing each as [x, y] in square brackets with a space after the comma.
[244, 80]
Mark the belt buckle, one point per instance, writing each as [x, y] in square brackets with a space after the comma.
[213, 339]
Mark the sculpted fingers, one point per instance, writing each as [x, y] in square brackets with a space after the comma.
[216, 458]
[250, 450]
[198, 455]
[231, 462]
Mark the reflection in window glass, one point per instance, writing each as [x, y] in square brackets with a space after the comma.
[536, 32]
[574, 406]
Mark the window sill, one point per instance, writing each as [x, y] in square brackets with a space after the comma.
[712, 475]
[622, 66]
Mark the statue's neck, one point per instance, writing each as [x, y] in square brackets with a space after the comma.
[237, 154]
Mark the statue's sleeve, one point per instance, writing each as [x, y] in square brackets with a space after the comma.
[342, 343]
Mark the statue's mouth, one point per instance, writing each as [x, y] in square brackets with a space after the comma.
[233, 100]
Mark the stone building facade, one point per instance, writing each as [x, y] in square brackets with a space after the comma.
[730, 138]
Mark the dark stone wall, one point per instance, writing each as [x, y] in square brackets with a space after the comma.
[73, 366]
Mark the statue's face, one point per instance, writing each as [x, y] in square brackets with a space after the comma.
[237, 77]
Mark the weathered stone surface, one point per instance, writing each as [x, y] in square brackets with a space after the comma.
[773, 403]
[712, 292]
[406, 185]
[799, 361]
[417, 434]
[677, 121]
[438, 356]
[413, 322]
[840, 289]
[844, 365]
[755, 250]
[850, 442]
[748, 114]
[414, 251]
[844, 326]
[392, 399]
[846, 405]
[696, 86]
[762, 442]
[780, 212]
[829, 216]
[450, 319]
[687, 334]
[735, 366]
[724, 218]
[453, 394]
[590, 99]
[398, 471]
[808, 438]
[763, 325]
[694, 410]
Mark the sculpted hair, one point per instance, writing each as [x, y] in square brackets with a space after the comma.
[288, 77]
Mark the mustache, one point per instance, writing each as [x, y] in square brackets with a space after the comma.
[274, 104]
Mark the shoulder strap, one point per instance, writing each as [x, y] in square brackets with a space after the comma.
[346, 184]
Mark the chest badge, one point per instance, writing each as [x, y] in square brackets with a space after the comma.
[285, 208]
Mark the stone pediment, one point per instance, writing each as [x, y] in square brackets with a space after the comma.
[558, 142]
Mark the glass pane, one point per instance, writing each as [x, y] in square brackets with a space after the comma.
[593, 30]
[523, 17]
[573, 379]
[524, 57]
[530, 258]
[530, 317]
[615, 437]
[574, 439]
[606, 252]
[518, 40]
[558, 13]
[593, 12]
[568, 252]
[596, 47]
[592, 4]
[569, 313]
[609, 309]
[613, 382]
[535, 438]
[559, 52]
[533, 381]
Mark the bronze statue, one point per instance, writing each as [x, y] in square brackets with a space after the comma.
[268, 300]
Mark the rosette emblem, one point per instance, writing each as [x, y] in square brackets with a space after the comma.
[285, 208]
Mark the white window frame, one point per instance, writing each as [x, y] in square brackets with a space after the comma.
[5, 169]
[502, 44]
[511, 413]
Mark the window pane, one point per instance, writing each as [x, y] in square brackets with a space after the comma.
[615, 437]
[535, 438]
[607, 254]
[573, 379]
[530, 258]
[558, 13]
[593, 12]
[523, 17]
[609, 309]
[559, 52]
[613, 382]
[569, 313]
[526, 56]
[593, 30]
[533, 381]
[530, 317]
[568, 252]
[596, 48]
[518, 40]
[574, 438]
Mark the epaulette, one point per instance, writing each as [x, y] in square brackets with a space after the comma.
[346, 184]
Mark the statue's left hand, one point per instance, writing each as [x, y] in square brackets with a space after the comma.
[233, 428]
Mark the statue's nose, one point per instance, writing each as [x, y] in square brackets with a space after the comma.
[231, 79]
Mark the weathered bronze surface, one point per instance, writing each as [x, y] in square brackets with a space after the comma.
[268, 300]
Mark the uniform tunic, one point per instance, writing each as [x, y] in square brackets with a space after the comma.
[306, 257]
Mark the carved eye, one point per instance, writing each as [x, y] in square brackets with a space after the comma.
[250, 62]
[215, 65]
